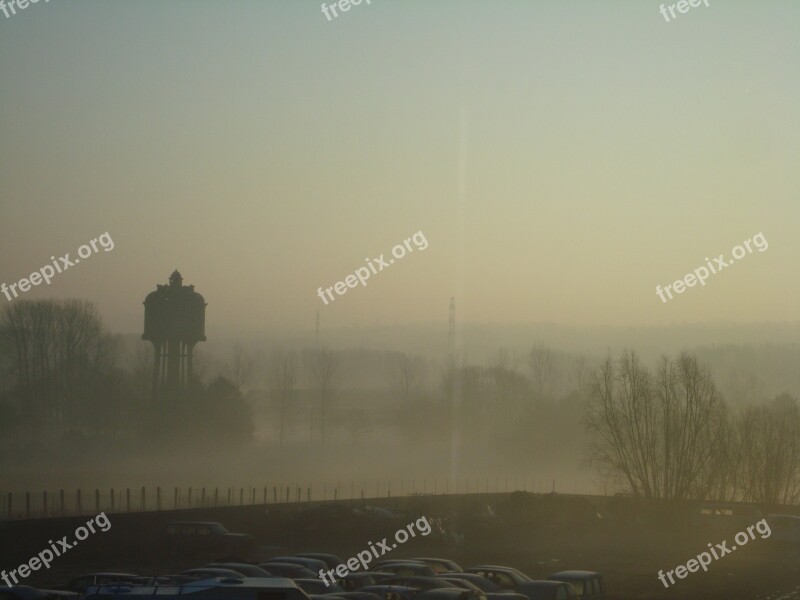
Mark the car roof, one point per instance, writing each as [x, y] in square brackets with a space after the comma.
[495, 568]
[457, 592]
[575, 574]
[108, 574]
[542, 583]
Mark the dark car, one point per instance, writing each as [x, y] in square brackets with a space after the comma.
[26, 592]
[208, 572]
[441, 565]
[507, 578]
[449, 594]
[462, 584]
[290, 570]
[195, 538]
[312, 564]
[357, 596]
[314, 586]
[355, 581]
[391, 592]
[331, 560]
[481, 584]
[418, 582]
[405, 568]
[79, 584]
[245, 569]
[479, 581]
[547, 590]
[587, 584]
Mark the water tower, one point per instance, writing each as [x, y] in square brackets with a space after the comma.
[174, 321]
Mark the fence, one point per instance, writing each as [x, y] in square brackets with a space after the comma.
[31, 505]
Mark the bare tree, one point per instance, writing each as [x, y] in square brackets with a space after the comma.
[665, 434]
[240, 369]
[407, 376]
[503, 372]
[283, 380]
[769, 444]
[545, 373]
[57, 351]
[324, 369]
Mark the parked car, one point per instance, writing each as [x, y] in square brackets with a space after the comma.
[245, 569]
[317, 586]
[418, 582]
[441, 565]
[587, 584]
[331, 560]
[357, 596]
[312, 564]
[248, 588]
[79, 584]
[208, 572]
[405, 568]
[449, 594]
[391, 592]
[486, 586]
[785, 529]
[490, 590]
[290, 570]
[205, 538]
[507, 578]
[547, 590]
[26, 592]
[460, 583]
[359, 579]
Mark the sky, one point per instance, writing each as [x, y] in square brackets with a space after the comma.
[561, 159]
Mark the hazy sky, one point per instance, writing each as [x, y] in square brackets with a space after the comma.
[561, 158]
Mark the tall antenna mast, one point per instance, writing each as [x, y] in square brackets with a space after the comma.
[451, 333]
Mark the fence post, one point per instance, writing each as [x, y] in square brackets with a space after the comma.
[275, 494]
[265, 495]
[189, 499]
[144, 499]
[175, 502]
[61, 498]
[44, 503]
[10, 511]
[216, 497]
[203, 497]
[241, 496]
[308, 494]
[229, 496]
[287, 493]
[128, 499]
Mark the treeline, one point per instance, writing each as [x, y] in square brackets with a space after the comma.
[669, 433]
[61, 376]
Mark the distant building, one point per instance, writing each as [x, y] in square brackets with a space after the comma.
[174, 321]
